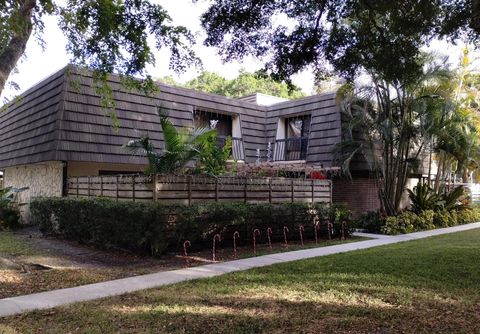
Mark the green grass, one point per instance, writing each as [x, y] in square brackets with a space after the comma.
[424, 286]
[10, 245]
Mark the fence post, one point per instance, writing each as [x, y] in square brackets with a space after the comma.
[155, 194]
[292, 189]
[101, 185]
[216, 189]
[270, 190]
[330, 188]
[88, 185]
[133, 188]
[116, 190]
[189, 178]
[245, 190]
[313, 191]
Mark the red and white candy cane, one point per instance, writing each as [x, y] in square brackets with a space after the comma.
[235, 236]
[330, 230]
[285, 230]
[269, 234]
[185, 254]
[302, 229]
[255, 233]
[219, 238]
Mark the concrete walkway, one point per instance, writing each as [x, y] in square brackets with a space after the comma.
[50, 299]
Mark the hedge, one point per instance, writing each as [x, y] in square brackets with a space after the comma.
[156, 228]
[408, 221]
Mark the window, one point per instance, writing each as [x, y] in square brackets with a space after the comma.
[226, 126]
[297, 127]
[220, 122]
[292, 138]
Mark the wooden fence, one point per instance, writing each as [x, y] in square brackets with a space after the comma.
[191, 189]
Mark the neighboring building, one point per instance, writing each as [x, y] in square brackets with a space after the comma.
[57, 129]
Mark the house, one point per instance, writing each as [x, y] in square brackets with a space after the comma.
[57, 129]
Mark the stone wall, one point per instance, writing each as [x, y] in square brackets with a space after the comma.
[43, 179]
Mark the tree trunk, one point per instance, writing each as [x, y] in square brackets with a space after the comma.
[18, 42]
[430, 164]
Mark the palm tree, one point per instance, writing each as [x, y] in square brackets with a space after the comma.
[180, 147]
[383, 126]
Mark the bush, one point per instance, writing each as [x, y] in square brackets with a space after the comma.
[9, 213]
[371, 222]
[155, 228]
[9, 216]
[408, 221]
[403, 223]
[423, 198]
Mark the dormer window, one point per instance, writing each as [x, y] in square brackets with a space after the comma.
[292, 138]
[220, 122]
[226, 126]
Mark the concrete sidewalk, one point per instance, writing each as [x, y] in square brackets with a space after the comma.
[50, 299]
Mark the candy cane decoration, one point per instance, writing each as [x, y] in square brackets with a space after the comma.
[302, 229]
[255, 233]
[316, 227]
[235, 236]
[285, 230]
[185, 254]
[330, 230]
[269, 234]
[215, 237]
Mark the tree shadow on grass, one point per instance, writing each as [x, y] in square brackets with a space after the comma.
[162, 312]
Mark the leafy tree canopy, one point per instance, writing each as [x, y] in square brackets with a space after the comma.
[383, 37]
[106, 36]
[245, 83]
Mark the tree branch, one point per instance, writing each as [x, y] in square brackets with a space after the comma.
[17, 44]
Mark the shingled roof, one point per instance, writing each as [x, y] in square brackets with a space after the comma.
[60, 119]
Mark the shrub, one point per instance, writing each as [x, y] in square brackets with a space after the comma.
[409, 221]
[424, 220]
[9, 217]
[444, 218]
[9, 213]
[467, 216]
[394, 225]
[155, 227]
[371, 221]
[423, 197]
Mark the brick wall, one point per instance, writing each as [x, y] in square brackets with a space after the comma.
[359, 195]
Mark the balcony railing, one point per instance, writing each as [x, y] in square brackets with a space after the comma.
[291, 149]
[238, 151]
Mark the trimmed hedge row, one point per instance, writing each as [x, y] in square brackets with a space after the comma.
[408, 221]
[155, 227]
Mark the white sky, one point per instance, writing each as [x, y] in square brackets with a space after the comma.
[39, 63]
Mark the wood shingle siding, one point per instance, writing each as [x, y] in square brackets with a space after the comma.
[61, 119]
[29, 125]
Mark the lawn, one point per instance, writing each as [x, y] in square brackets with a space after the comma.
[424, 286]
[19, 277]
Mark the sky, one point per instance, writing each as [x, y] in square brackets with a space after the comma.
[39, 64]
